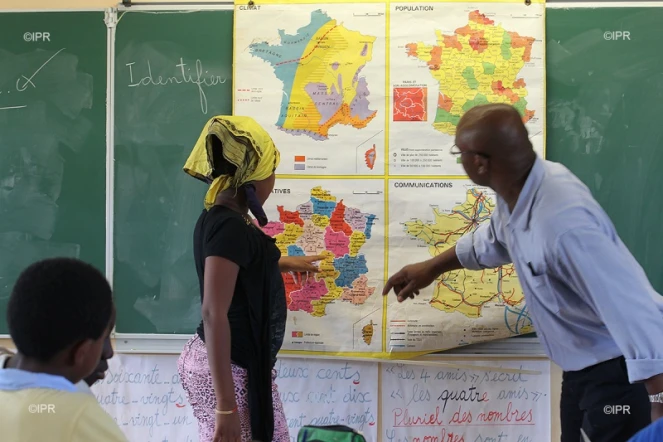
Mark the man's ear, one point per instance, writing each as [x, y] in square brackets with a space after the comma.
[80, 352]
[481, 164]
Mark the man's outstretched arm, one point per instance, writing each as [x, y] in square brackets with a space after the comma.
[484, 248]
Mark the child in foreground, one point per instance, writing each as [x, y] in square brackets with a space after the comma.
[9, 360]
[60, 313]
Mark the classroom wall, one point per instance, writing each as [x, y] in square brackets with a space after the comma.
[556, 373]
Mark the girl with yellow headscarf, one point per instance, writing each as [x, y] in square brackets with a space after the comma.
[227, 368]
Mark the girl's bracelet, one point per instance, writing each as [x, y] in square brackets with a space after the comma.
[234, 410]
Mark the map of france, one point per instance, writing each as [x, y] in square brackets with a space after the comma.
[466, 291]
[320, 69]
[478, 64]
[325, 226]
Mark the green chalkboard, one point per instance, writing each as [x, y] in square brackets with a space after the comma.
[173, 71]
[604, 97]
[605, 101]
[52, 141]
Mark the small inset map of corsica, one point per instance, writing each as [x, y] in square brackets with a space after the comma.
[324, 225]
[367, 332]
[320, 67]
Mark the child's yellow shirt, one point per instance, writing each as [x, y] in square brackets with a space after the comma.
[39, 407]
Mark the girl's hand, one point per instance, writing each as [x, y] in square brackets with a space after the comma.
[228, 428]
[301, 266]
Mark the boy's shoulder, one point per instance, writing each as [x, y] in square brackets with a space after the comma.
[94, 423]
[48, 414]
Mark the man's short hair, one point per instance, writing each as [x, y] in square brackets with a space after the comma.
[56, 303]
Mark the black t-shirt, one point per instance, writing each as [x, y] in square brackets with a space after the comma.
[257, 313]
[225, 233]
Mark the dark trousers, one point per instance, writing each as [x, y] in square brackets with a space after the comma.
[600, 400]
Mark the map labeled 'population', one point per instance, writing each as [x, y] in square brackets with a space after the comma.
[325, 226]
[478, 64]
[320, 67]
[446, 58]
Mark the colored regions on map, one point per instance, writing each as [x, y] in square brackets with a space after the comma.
[320, 69]
[410, 103]
[478, 64]
[466, 291]
[324, 225]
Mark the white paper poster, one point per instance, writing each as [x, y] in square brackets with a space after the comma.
[452, 405]
[144, 396]
[412, 404]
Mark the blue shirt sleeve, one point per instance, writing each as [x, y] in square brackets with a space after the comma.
[651, 433]
[601, 270]
[484, 248]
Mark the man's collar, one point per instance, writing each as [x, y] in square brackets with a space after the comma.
[12, 379]
[522, 212]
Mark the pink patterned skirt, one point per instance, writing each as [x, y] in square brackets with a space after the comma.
[194, 372]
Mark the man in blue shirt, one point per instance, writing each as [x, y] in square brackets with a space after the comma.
[594, 310]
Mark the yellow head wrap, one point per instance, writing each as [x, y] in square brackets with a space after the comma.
[244, 144]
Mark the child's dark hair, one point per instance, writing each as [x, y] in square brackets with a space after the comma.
[56, 303]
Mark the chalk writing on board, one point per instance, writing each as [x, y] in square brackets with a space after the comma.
[24, 82]
[201, 78]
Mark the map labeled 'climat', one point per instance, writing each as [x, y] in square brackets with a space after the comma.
[314, 77]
